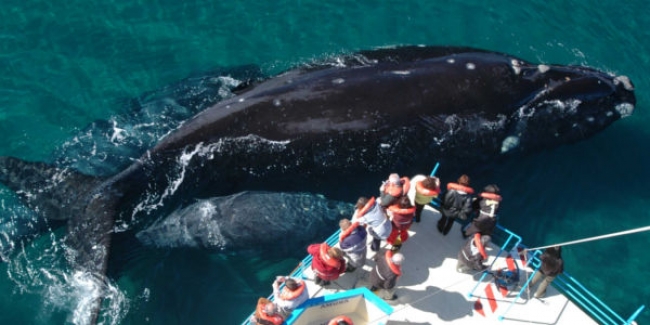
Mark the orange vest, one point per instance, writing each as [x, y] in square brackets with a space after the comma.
[287, 294]
[425, 191]
[275, 319]
[458, 187]
[330, 261]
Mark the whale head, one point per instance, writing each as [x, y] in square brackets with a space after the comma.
[572, 103]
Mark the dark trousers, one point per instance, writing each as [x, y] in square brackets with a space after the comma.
[418, 211]
[445, 224]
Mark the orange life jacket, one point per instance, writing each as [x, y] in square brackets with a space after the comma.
[287, 294]
[275, 319]
[491, 196]
[479, 245]
[330, 261]
[402, 216]
[458, 187]
[366, 208]
[426, 191]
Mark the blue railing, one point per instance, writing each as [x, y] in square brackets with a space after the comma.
[582, 297]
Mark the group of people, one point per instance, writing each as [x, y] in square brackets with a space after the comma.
[388, 218]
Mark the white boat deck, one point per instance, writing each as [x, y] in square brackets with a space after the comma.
[431, 291]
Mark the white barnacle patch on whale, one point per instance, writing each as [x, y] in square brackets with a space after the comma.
[241, 100]
[624, 109]
[338, 81]
[470, 66]
[543, 68]
[516, 66]
[451, 61]
[277, 102]
[625, 81]
[509, 143]
[401, 72]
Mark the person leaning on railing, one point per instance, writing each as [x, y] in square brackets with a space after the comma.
[552, 266]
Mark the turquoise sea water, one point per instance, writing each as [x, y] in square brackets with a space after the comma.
[64, 65]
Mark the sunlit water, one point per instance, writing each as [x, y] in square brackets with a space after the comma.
[75, 72]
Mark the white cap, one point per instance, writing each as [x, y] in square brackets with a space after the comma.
[397, 258]
[394, 178]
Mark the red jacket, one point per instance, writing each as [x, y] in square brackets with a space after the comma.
[322, 269]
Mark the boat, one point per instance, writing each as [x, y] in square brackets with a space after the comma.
[432, 291]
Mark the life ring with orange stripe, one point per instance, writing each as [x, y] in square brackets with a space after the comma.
[328, 260]
[458, 187]
[426, 191]
[491, 196]
[337, 319]
[287, 294]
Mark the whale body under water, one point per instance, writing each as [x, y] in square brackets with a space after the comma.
[372, 112]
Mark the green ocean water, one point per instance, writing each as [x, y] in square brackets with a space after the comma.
[64, 65]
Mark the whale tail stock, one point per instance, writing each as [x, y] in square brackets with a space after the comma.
[86, 202]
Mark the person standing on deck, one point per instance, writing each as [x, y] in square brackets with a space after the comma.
[552, 266]
[472, 255]
[457, 203]
[384, 276]
[402, 214]
[292, 295]
[392, 189]
[327, 263]
[352, 241]
[369, 213]
[425, 191]
[487, 206]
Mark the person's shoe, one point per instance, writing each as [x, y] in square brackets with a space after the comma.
[374, 289]
[393, 298]
[318, 281]
[396, 248]
[350, 269]
[326, 283]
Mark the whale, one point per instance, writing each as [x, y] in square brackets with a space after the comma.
[217, 223]
[329, 125]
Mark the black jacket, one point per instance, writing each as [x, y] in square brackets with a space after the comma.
[456, 204]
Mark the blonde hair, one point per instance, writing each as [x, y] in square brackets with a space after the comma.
[334, 252]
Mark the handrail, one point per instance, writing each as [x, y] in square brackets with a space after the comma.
[577, 293]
